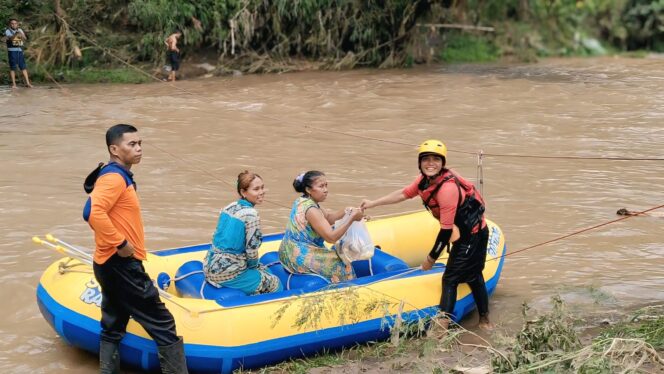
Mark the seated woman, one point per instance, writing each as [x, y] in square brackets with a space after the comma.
[232, 260]
[302, 250]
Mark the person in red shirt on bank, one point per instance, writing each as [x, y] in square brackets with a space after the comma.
[114, 214]
[456, 203]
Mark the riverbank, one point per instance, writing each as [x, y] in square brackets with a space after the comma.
[71, 43]
[554, 341]
[197, 67]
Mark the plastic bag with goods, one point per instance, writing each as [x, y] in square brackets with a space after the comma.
[355, 244]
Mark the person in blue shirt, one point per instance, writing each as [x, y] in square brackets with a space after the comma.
[232, 260]
[15, 37]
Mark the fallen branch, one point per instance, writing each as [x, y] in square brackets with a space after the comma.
[456, 26]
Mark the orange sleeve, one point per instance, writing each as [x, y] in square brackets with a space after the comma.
[108, 189]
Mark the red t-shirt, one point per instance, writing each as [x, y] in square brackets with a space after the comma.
[446, 198]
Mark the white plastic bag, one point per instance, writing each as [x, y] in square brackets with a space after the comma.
[355, 244]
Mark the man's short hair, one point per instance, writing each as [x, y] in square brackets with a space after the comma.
[11, 19]
[115, 133]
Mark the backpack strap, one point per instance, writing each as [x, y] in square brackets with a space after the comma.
[435, 190]
[102, 169]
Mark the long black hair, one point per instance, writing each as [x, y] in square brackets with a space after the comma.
[305, 180]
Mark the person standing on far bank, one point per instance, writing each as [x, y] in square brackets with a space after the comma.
[173, 53]
[113, 212]
[15, 38]
[456, 203]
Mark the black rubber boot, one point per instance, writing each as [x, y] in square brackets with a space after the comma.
[172, 359]
[109, 358]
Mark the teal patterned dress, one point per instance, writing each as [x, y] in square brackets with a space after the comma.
[232, 260]
[302, 250]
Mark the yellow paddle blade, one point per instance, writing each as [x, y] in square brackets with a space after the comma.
[60, 249]
[50, 238]
[37, 240]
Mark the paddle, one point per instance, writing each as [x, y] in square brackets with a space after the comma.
[85, 257]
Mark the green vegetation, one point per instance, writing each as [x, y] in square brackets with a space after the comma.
[526, 29]
[301, 366]
[99, 75]
[92, 75]
[247, 35]
[549, 343]
[469, 48]
[646, 324]
[283, 35]
[540, 340]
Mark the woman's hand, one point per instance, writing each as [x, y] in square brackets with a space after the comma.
[356, 214]
[366, 204]
[428, 263]
[322, 226]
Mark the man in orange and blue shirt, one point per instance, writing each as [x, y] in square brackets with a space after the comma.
[114, 214]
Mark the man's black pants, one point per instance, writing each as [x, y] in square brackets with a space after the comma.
[128, 291]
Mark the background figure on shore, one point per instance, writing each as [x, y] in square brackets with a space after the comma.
[453, 201]
[302, 250]
[114, 214]
[15, 38]
[173, 54]
[232, 260]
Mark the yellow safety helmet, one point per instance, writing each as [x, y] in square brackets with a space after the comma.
[433, 146]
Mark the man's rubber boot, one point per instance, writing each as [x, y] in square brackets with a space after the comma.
[109, 358]
[172, 359]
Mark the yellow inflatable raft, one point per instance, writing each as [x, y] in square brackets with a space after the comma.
[231, 330]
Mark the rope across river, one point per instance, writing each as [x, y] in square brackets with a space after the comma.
[344, 133]
[85, 257]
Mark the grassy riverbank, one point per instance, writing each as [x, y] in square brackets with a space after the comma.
[475, 51]
[550, 342]
[90, 75]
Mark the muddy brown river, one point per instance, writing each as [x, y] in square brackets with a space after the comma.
[361, 128]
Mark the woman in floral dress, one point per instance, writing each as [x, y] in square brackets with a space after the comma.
[302, 250]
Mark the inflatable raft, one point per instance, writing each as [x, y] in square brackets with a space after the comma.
[224, 329]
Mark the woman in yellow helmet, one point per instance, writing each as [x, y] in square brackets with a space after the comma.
[456, 203]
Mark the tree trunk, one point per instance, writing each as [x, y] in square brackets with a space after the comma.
[58, 9]
[524, 10]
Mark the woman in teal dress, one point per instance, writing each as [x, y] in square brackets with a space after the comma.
[232, 260]
[302, 250]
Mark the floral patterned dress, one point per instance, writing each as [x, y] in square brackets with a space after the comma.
[302, 250]
[232, 260]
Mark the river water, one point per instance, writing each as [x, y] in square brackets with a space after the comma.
[361, 128]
